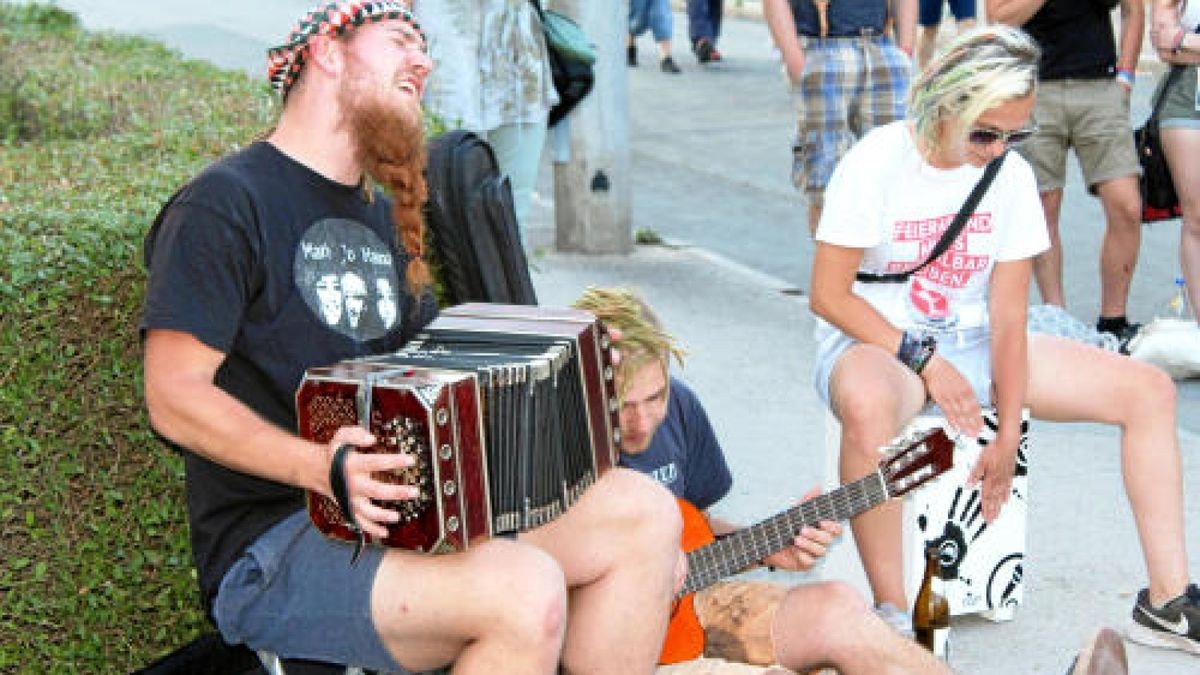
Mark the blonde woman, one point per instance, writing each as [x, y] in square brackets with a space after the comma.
[1173, 31]
[954, 334]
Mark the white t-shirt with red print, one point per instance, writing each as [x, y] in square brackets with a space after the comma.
[885, 198]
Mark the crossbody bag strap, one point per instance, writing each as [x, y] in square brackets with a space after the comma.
[951, 233]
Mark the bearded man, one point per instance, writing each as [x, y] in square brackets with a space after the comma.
[230, 325]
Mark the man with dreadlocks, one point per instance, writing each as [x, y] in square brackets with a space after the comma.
[278, 258]
[748, 625]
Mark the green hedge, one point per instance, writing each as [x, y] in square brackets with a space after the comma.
[96, 131]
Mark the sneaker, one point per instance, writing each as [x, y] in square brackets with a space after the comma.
[631, 56]
[1123, 336]
[668, 66]
[1104, 654]
[898, 619]
[704, 50]
[1175, 625]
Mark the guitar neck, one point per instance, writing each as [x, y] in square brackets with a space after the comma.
[737, 551]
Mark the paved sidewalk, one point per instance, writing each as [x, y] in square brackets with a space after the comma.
[710, 166]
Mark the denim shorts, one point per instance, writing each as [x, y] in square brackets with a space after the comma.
[294, 593]
[652, 14]
[967, 350]
[930, 13]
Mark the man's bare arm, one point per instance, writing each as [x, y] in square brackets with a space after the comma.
[1013, 12]
[1133, 23]
[782, 25]
[906, 25]
[188, 408]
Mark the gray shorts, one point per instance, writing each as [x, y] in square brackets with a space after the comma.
[968, 350]
[294, 593]
[1181, 108]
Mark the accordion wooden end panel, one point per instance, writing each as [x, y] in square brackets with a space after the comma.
[510, 412]
[416, 416]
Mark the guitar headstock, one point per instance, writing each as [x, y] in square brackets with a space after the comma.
[910, 462]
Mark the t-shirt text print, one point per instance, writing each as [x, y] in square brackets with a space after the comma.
[348, 278]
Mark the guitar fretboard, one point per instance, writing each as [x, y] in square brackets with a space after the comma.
[737, 551]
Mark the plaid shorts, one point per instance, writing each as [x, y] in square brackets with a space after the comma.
[849, 86]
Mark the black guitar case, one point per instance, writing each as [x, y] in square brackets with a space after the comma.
[474, 235]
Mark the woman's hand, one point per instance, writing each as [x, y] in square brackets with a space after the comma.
[954, 395]
[994, 469]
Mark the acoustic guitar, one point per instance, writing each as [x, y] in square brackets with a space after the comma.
[908, 463]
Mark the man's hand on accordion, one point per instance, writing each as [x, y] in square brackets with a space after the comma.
[358, 472]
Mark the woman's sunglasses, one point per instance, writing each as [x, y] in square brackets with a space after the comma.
[985, 136]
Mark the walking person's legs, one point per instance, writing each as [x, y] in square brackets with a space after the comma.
[1182, 148]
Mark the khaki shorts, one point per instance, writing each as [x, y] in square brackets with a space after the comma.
[1091, 116]
[1181, 109]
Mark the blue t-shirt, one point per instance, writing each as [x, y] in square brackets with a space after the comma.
[684, 454]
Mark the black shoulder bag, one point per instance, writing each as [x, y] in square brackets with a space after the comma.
[1159, 200]
[951, 233]
[573, 77]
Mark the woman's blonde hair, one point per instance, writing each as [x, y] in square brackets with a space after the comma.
[642, 339]
[980, 69]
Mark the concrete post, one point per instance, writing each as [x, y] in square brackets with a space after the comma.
[591, 164]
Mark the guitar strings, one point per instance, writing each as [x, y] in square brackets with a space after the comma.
[742, 548]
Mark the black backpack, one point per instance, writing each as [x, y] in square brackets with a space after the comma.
[476, 243]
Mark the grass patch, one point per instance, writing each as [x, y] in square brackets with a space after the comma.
[96, 132]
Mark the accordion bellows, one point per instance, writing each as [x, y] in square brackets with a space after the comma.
[509, 410]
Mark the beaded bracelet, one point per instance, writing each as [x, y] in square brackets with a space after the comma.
[1127, 76]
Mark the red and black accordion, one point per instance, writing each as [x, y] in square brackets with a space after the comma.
[509, 410]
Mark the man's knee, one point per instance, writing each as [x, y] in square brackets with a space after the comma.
[530, 591]
[1122, 203]
[639, 504]
[834, 601]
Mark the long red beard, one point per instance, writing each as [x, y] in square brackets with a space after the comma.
[390, 142]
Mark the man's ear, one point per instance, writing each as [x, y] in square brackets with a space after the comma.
[325, 53]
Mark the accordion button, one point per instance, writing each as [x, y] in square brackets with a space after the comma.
[442, 416]
[445, 452]
[452, 523]
[449, 488]
[608, 372]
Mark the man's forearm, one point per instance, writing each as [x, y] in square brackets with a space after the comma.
[1133, 23]
[1013, 12]
[906, 24]
[782, 26]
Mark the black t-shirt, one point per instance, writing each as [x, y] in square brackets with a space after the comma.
[1076, 37]
[280, 269]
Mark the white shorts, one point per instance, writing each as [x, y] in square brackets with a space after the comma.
[969, 350]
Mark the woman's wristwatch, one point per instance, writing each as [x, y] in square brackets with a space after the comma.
[915, 350]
